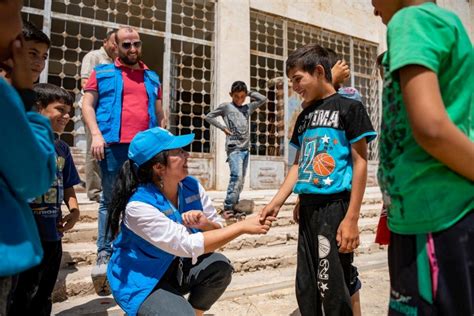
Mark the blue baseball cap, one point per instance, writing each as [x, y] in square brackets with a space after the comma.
[147, 144]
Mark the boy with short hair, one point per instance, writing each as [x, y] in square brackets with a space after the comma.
[25, 134]
[37, 44]
[426, 158]
[236, 116]
[329, 175]
[32, 295]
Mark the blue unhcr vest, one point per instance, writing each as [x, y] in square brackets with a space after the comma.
[109, 105]
[136, 266]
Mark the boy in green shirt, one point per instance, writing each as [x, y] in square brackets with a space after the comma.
[427, 153]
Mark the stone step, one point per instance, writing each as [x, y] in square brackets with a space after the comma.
[260, 197]
[243, 284]
[244, 249]
[86, 230]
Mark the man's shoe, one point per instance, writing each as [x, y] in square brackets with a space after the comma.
[99, 274]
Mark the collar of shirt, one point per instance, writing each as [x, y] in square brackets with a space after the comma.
[119, 64]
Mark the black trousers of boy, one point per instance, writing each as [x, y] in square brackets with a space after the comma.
[452, 281]
[205, 282]
[32, 294]
[325, 278]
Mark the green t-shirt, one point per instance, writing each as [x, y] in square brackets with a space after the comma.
[421, 193]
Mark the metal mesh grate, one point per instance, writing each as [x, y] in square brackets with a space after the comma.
[267, 128]
[269, 36]
[192, 91]
[147, 14]
[79, 26]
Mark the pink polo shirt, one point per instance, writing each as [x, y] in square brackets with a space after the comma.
[135, 116]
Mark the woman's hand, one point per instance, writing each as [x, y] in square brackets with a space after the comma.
[197, 219]
[253, 225]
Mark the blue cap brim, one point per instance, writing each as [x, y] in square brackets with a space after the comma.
[180, 141]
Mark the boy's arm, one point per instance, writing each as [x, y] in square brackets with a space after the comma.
[259, 100]
[347, 236]
[68, 221]
[272, 208]
[432, 128]
[211, 117]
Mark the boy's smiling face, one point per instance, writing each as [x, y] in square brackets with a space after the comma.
[58, 114]
[37, 55]
[386, 8]
[305, 84]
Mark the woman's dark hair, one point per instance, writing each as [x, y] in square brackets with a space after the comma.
[128, 180]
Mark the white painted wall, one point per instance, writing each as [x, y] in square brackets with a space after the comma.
[232, 63]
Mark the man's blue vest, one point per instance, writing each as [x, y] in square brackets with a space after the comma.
[136, 266]
[109, 106]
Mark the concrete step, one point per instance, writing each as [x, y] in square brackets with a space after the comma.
[78, 259]
[86, 230]
[259, 198]
[243, 284]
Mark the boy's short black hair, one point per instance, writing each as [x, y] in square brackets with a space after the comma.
[333, 58]
[47, 93]
[33, 33]
[307, 58]
[238, 86]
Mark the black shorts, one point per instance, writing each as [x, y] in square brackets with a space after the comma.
[433, 274]
[325, 278]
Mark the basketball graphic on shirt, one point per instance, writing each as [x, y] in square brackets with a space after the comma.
[323, 164]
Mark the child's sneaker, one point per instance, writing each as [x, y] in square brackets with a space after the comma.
[239, 216]
[99, 274]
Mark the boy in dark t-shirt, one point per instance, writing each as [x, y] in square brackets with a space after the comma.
[32, 295]
[329, 174]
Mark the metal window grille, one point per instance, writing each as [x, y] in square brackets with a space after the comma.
[267, 128]
[269, 37]
[183, 29]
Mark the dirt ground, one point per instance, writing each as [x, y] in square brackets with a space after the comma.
[374, 299]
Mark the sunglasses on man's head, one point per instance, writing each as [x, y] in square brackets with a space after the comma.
[128, 45]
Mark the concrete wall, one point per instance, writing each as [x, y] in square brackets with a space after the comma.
[349, 17]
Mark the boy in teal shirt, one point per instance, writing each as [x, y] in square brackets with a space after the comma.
[426, 171]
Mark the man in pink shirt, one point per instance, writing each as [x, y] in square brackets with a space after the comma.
[120, 100]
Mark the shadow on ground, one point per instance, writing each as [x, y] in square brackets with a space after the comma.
[99, 306]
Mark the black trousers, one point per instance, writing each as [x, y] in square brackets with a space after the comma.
[32, 293]
[325, 278]
[205, 282]
[452, 286]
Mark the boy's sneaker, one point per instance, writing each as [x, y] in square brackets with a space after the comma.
[99, 274]
[239, 216]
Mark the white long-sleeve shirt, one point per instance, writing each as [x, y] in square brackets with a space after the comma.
[152, 225]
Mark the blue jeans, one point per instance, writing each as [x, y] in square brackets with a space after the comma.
[115, 156]
[238, 161]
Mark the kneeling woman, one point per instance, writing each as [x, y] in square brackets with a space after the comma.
[168, 233]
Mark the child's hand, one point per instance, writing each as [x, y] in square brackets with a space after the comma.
[269, 210]
[347, 235]
[253, 225]
[227, 132]
[340, 73]
[296, 212]
[196, 219]
[21, 73]
[68, 221]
